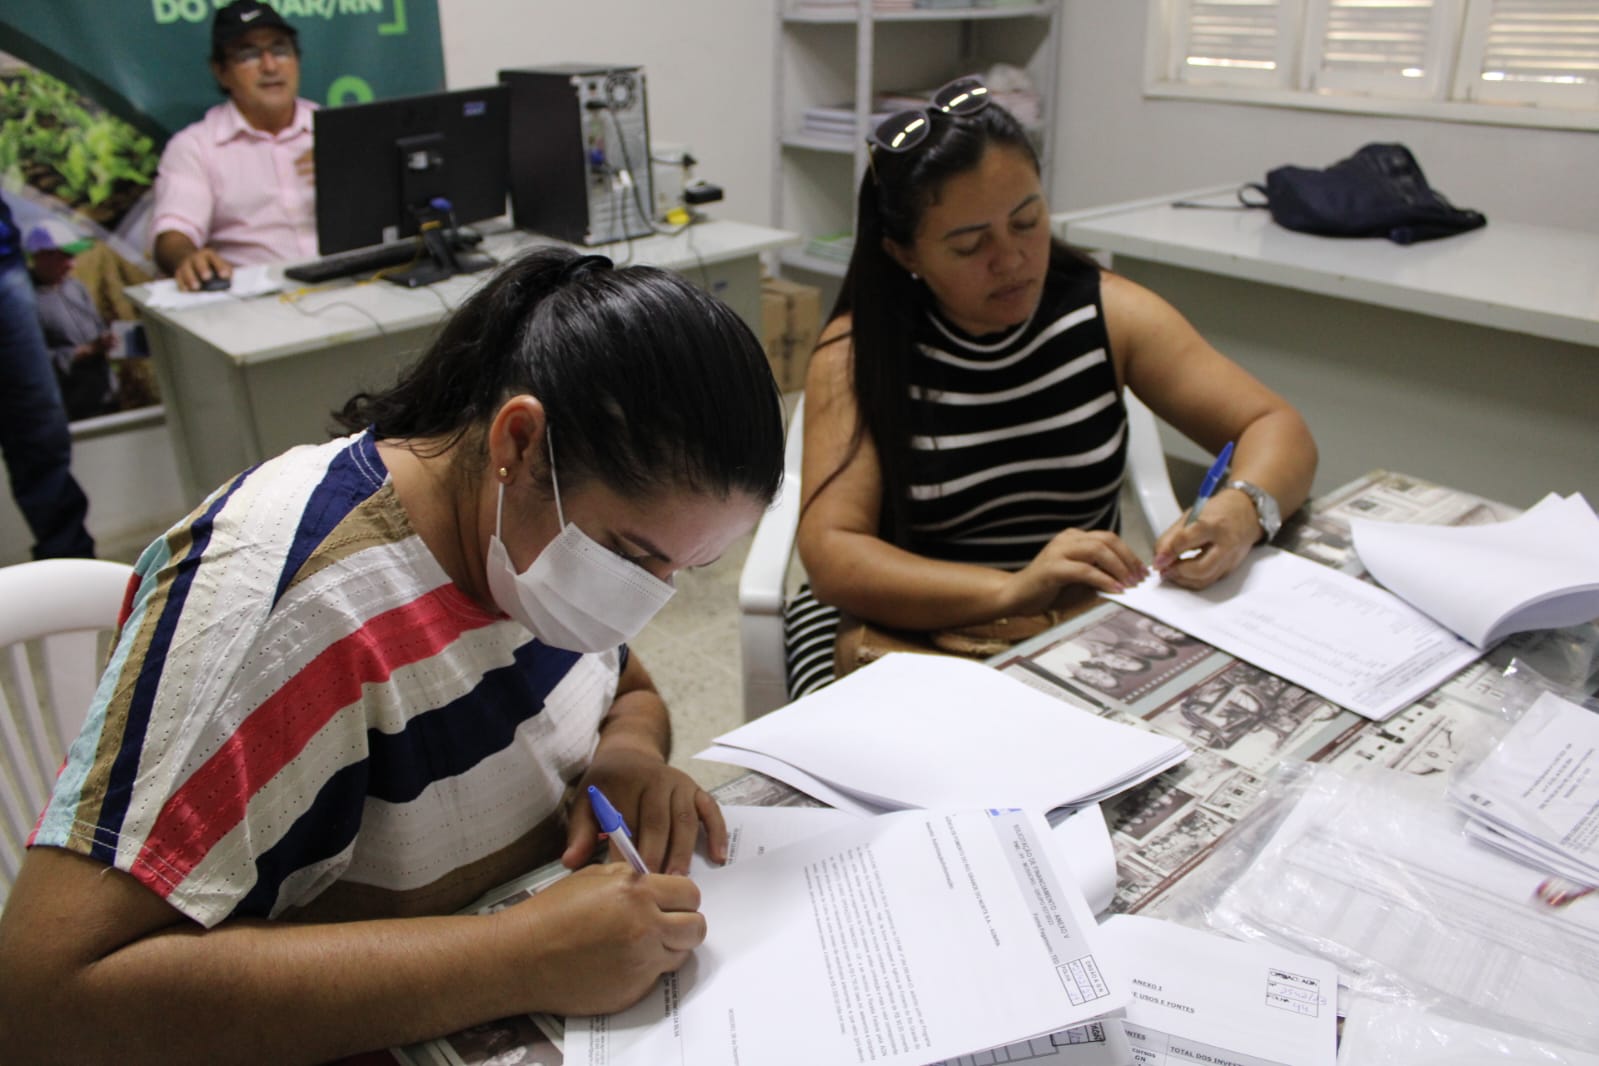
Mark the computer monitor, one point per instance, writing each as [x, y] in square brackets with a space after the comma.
[412, 166]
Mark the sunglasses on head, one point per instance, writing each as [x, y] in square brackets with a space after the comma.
[904, 130]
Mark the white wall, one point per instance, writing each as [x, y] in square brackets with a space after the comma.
[1115, 145]
[708, 64]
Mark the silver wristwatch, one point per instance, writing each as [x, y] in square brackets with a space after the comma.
[1271, 519]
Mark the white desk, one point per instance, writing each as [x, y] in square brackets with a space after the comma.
[246, 379]
[1470, 360]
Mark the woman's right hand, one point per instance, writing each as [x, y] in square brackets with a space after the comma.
[597, 940]
[1075, 558]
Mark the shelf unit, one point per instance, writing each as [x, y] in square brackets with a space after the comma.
[841, 56]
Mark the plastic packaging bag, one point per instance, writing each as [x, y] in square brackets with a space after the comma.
[1372, 870]
[1388, 1034]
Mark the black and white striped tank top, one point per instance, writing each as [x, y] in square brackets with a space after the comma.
[1018, 435]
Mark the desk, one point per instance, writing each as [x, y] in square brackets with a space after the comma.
[1474, 358]
[245, 380]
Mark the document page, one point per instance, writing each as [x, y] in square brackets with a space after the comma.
[1536, 571]
[899, 940]
[1201, 999]
[1540, 786]
[1357, 645]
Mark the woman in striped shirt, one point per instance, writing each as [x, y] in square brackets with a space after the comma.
[965, 438]
[352, 691]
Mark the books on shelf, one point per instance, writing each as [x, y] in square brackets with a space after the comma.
[835, 247]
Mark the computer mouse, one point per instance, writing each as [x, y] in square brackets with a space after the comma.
[216, 283]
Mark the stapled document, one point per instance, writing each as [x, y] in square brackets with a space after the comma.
[899, 940]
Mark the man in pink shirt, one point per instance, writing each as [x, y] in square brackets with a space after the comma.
[237, 187]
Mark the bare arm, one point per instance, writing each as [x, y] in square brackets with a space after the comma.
[1211, 400]
[177, 255]
[663, 806]
[851, 566]
[97, 968]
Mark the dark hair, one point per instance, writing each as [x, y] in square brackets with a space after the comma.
[646, 381]
[885, 302]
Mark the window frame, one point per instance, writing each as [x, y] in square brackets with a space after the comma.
[1451, 92]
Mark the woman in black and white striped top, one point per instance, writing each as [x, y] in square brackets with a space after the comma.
[965, 438]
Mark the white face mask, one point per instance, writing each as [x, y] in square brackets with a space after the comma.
[577, 595]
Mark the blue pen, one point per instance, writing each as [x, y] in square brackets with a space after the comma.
[1213, 476]
[612, 826]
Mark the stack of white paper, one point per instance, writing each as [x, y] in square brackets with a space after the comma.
[1536, 796]
[1537, 571]
[935, 731]
[898, 940]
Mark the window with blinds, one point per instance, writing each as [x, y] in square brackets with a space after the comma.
[1382, 47]
[1236, 42]
[1533, 53]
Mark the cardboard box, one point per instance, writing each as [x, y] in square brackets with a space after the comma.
[791, 320]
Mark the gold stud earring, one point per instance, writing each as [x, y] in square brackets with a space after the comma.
[505, 474]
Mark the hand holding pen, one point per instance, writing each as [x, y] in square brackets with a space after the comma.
[1183, 551]
[615, 829]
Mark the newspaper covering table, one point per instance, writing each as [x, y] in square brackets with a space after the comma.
[1240, 720]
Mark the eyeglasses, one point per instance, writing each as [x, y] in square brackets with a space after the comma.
[252, 53]
[904, 130]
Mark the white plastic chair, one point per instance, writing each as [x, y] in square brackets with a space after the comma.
[56, 609]
[762, 583]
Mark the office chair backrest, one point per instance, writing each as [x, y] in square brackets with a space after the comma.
[52, 614]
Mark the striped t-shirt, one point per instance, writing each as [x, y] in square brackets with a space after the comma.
[1018, 435]
[303, 716]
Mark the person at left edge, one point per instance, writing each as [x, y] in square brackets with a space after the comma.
[35, 438]
[354, 689]
[237, 188]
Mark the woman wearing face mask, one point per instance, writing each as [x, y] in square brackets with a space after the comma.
[965, 438]
[352, 688]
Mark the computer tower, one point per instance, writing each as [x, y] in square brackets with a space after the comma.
[580, 152]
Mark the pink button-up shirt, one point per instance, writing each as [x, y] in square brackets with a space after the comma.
[224, 183]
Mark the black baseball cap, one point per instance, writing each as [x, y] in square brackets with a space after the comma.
[242, 16]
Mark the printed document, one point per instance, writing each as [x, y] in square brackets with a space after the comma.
[898, 940]
[1539, 570]
[1201, 999]
[935, 731]
[1538, 790]
[1353, 643]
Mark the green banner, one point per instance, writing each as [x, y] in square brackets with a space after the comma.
[146, 60]
[90, 90]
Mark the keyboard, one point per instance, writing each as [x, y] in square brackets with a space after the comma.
[370, 260]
